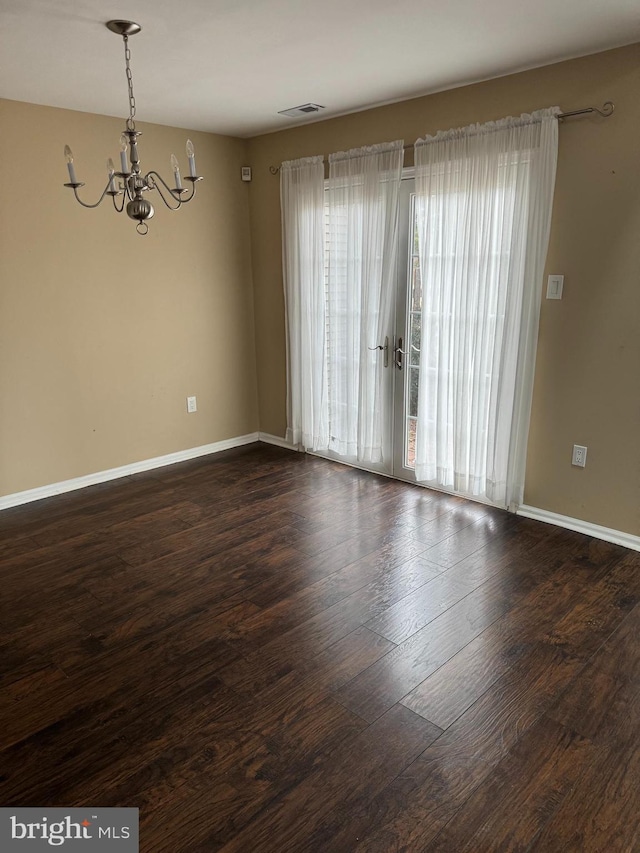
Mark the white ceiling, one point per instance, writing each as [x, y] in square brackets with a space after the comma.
[228, 66]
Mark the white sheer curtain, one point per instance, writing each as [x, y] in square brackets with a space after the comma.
[339, 256]
[302, 202]
[362, 242]
[483, 207]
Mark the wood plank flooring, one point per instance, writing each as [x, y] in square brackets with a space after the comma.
[265, 651]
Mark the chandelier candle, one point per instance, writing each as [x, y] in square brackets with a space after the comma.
[176, 171]
[192, 158]
[70, 166]
[111, 169]
[127, 191]
[124, 166]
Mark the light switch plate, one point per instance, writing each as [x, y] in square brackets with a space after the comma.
[555, 284]
[191, 404]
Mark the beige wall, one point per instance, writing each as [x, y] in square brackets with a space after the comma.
[104, 333]
[587, 387]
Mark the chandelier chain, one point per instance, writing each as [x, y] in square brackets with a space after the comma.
[131, 125]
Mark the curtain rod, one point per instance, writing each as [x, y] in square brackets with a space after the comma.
[607, 109]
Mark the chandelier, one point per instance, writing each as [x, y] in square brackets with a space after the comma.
[127, 186]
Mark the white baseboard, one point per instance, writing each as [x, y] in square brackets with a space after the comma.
[274, 439]
[608, 534]
[618, 537]
[41, 492]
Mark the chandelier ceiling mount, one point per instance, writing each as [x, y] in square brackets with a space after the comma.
[123, 28]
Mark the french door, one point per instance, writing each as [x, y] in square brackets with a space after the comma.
[399, 351]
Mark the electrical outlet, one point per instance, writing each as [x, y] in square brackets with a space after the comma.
[579, 458]
[191, 404]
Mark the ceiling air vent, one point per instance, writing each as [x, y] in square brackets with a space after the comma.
[303, 110]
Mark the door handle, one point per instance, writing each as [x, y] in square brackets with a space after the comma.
[398, 353]
[385, 349]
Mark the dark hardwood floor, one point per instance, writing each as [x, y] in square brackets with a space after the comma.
[265, 651]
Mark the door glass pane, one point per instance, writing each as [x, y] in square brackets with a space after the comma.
[415, 284]
[414, 338]
[413, 392]
[410, 444]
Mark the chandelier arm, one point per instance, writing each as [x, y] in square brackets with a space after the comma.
[154, 176]
[193, 182]
[84, 204]
[115, 203]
